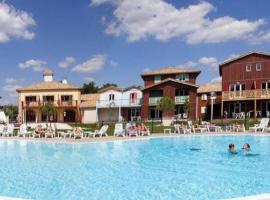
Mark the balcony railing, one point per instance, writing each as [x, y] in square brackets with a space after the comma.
[154, 100]
[33, 104]
[119, 103]
[245, 95]
[181, 99]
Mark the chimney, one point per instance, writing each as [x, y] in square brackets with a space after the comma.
[48, 75]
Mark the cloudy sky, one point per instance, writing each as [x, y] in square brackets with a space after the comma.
[116, 40]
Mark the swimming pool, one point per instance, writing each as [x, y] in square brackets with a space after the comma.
[160, 168]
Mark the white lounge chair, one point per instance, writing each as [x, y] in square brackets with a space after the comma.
[2, 128]
[119, 130]
[100, 133]
[9, 131]
[23, 131]
[77, 134]
[260, 127]
[50, 134]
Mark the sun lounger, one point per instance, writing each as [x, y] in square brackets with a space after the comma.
[50, 134]
[119, 130]
[2, 128]
[23, 131]
[100, 133]
[260, 127]
[9, 131]
[145, 132]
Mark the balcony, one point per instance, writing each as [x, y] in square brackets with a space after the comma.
[119, 103]
[154, 100]
[36, 104]
[181, 99]
[245, 95]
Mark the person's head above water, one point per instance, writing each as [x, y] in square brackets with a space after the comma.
[246, 146]
[232, 148]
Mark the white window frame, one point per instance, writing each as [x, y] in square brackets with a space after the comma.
[248, 67]
[204, 97]
[157, 79]
[258, 67]
[203, 110]
[111, 97]
[182, 77]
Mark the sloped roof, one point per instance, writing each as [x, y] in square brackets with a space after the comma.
[110, 88]
[210, 87]
[89, 100]
[53, 85]
[240, 57]
[170, 79]
[171, 70]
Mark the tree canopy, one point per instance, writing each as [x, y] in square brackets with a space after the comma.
[91, 87]
[166, 104]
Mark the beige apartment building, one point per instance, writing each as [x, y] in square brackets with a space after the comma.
[65, 97]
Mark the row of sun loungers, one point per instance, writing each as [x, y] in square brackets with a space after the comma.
[130, 130]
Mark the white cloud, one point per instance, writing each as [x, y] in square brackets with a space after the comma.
[224, 29]
[146, 69]
[158, 18]
[35, 65]
[191, 64]
[89, 79]
[11, 89]
[11, 80]
[94, 64]
[15, 23]
[208, 61]
[216, 79]
[66, 62]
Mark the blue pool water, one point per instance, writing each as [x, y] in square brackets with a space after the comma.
[162, 168]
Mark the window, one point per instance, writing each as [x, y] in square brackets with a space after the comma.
[204, 97]
[182, 92]
[265, 86]
[31, 99]
[182, 77]
[111, 97]
[258, 67]
[203, 109]
[66, 98]
[248, 68]
[157, 79]
[48, 98]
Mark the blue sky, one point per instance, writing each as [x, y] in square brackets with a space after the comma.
[116, 40]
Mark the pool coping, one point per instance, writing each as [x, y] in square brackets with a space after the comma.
[110, 139]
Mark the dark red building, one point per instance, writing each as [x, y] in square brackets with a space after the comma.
[177, 83]
[207, 93]
[246, 85]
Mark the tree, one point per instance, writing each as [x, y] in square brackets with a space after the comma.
[90, 87]
[49, 110]
[166, 104]
[11, 111]
[108, 85]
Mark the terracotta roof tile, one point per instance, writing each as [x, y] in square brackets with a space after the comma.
[171, 70]
[48, 86]
[170, 79]
[210, 87]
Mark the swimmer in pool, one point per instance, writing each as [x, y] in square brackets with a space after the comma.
[232, 149]
[246, 147]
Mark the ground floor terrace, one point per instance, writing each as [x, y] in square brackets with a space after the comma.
[36, 115]
[250, 108]
[116, 114]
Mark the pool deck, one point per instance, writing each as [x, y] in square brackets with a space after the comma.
[255, 197]
[114, 139]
